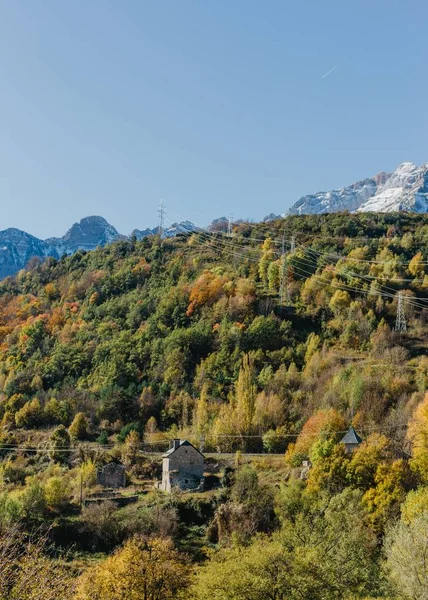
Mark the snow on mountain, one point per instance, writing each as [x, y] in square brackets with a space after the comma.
[17, 247]
[404, 189]
[89, 233]
[171, 231]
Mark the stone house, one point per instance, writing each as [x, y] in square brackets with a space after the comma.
[351, 440]
[112, 475]
[182, 467]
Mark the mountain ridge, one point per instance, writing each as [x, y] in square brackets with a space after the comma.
[406, 188]
[18, 247]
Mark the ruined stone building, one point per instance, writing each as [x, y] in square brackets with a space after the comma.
[182, 467]
[112, 475]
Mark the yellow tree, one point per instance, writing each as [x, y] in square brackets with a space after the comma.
[416, 265]
[417, 434]
[324, 424]
[131, 447]
[265, 260]
[366, 459]
[140, 570]
[79, 427]
[383, 501]
[201, 411]
[27, 573]
[246, 393]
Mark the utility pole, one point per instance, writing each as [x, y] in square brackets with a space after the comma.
[400, 322]
[293, 244]
[161, 219]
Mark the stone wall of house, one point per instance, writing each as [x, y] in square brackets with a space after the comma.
[184, 468]
[112, 475]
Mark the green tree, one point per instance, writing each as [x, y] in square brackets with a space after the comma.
[265, 260]
[201, 418]
[406, 548]
[30, 415]
[324, 555]
[60, 445]
[246, 393]
[78, 429]
[57, 493]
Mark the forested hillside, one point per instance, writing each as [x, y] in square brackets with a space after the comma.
[272, 340]
[223, 335]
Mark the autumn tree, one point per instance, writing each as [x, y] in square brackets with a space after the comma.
[131, 447]
[246, 393]
[78, 429]
[201, 411]
[324, 424]
[60, 443]
[206, 290]
[30, 415]
[416, 266]
[325, 554]
[365, 461]
[417, 434]
[406, 550]
[27, 573]
[267, 257]
[384, 500]
[142, 569]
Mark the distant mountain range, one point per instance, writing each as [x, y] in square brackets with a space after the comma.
[18, 247]
[404, 189]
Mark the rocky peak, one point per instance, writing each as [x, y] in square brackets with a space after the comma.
[89, 233]
[18, 247]
[404, 189]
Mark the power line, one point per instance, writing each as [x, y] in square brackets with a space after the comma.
[235, 250]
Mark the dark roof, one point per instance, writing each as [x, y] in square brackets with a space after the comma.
[182, 443]
[351, 437]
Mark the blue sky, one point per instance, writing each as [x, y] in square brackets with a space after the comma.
[215, 106]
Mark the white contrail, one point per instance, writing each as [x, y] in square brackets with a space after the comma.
[328, 72]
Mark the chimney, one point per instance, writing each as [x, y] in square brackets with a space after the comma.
[174, 444]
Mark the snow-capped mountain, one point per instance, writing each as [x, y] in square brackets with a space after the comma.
[17, 247]
[89, 233]
[404, 189]
[171, 231]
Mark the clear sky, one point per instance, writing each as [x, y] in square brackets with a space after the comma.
[217, 106]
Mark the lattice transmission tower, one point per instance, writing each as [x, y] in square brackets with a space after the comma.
[161, 218]
[229, 224]
[400, 322]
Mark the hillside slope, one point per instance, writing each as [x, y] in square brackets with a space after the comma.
[141, 329]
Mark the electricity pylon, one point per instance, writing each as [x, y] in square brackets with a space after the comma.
[400, 322]
[161, 219]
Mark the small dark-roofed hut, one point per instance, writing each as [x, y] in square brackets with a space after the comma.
[351, 440]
